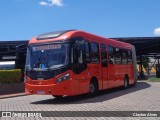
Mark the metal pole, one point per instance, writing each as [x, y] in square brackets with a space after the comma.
[157, 68]
[141, 66]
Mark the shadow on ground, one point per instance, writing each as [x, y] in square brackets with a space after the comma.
[102, 96]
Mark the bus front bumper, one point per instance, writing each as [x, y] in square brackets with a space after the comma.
[52, 89]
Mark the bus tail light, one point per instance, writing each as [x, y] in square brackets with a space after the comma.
[62, 78]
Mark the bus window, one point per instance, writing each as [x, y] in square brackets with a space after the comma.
[94, 53]
[79, 56]
[118, 55]
[124, 56]
[103, 46]
[129, 56]
[103, 55]
[87, 52]
[111, 55]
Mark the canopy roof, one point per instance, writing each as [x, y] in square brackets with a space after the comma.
[149, 46]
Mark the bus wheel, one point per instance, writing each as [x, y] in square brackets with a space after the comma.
[126, 82]
[57, 96]
[93, 89]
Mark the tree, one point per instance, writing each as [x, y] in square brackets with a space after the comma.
[145, 61]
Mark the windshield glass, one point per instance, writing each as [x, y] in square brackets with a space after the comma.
[44, 57]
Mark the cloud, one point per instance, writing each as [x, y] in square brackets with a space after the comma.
[43, 3]
[58, 3]
[157, 31]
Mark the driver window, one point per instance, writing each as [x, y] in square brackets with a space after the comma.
[80, 55]
[80, 58]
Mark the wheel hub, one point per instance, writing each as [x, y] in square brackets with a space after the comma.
[92, 88]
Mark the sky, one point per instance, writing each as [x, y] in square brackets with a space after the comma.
[24, 19]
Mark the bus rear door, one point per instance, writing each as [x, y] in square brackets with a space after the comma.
[111, 67]
[104, 66]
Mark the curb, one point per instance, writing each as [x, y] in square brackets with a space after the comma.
[12, 95]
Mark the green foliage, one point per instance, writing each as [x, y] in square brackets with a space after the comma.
[10, 76]
[145, 61]
[154, 79]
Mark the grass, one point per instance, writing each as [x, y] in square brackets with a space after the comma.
[154, 79]
[10, 76]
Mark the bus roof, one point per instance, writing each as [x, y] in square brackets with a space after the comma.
[66, 34]
[52, 35]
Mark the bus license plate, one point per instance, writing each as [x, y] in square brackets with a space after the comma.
[40, 92]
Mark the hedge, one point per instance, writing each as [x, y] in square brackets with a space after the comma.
[10, 76]
[154, 79]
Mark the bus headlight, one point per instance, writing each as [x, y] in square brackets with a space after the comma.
[64, 77]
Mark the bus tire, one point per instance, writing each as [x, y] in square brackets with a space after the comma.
[93, 88]
[126, 82]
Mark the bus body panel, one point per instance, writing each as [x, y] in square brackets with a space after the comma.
[104, 74]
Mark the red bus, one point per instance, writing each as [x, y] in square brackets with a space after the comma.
[72, 62]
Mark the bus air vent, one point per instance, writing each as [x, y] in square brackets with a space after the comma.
[52, 34]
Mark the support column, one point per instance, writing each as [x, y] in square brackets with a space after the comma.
[158, 69]
[141, 66]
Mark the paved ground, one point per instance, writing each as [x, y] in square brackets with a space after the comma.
[12, 95]
[13, 88]
[145, 96]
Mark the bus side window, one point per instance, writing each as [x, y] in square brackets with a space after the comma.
[81, 49]
[79, 56]
[88, 59]
[118, 55]
[129, 56]
[111, 55]
[124, 56]
[94, 53]
[103, 55]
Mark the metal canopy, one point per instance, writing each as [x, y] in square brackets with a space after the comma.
[149, 46]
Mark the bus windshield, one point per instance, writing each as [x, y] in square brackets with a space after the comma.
[47, 57]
